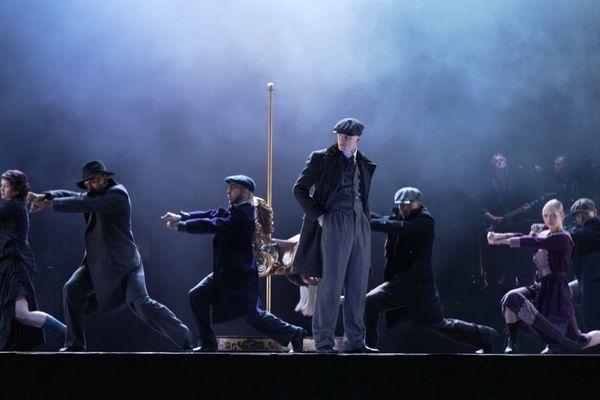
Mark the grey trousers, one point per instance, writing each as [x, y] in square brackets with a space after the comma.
[79, 300]
[346, 249]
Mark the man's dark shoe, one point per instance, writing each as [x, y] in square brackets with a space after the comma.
[364, 350]
[205, 349]
[72, 349]
[298, 341]
[489, 339]
[326, 351]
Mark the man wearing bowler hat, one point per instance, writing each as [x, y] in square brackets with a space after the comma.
[111, 273]
[231, 290]
[335, 239]
[409, 291]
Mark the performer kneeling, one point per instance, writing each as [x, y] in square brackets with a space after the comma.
[409, 291]
[231, 290]
[544, 309]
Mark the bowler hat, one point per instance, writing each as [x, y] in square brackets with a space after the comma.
[407, 195]
[242, 180]
[583, 205]
[92, 168]
[348, 126]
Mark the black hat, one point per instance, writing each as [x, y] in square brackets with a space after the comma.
[407, 195]
[242, 180]
[92, 168]
[349, 126]
[583, 205]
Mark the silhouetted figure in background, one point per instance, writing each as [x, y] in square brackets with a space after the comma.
[564, 178]
[409, 291]
[505, 207]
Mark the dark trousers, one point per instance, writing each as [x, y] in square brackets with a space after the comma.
[389, 297]
[79, 300]
[201, 299]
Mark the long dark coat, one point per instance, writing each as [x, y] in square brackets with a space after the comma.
[408, 253]
[17, 267]
[586, 266]
[111, 255]
[234, 268]
[324, 172]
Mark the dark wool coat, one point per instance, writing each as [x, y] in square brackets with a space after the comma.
[408, 252]
[323, 172]
[111, 255]
[234, 268]
[17, 267]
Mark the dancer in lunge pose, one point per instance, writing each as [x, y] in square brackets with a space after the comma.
[231, 290]
[544, 309]
[111, 273]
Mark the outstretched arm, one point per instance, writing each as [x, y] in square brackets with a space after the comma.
[110, 202]
[495, 238]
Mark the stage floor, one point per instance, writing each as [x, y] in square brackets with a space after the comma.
[282, 375]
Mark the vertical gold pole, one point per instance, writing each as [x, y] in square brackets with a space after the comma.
[270, 88]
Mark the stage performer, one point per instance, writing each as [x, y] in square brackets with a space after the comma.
[409, 291]
[111, 273]
[231, 290]
[21, 322]
[335, 239]
[544, 309]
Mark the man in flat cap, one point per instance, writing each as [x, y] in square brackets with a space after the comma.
[335, 239]
[231, 290]
[111, 273]
[409, 291]
[586, 261]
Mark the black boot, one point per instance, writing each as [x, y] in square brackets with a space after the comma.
[479, 336]
[488, 336]
[550, 349]
[511, 339]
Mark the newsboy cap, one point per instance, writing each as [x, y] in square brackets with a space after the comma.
[90, 169]
[407, 195]
[242, 180]
[349, 126]
[583, 205]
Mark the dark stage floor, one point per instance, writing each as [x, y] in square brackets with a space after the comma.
[238, 375]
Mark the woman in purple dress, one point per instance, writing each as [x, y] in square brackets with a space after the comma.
[544, 309]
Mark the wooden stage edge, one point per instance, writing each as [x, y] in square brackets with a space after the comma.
[282, 375]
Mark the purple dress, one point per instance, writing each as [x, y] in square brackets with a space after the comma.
[544, 309]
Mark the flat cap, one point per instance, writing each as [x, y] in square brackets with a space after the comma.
[242, 180]
[349, 126]
[583, 205]
[407, 195]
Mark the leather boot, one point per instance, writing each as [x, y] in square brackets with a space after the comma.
[511, 339]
